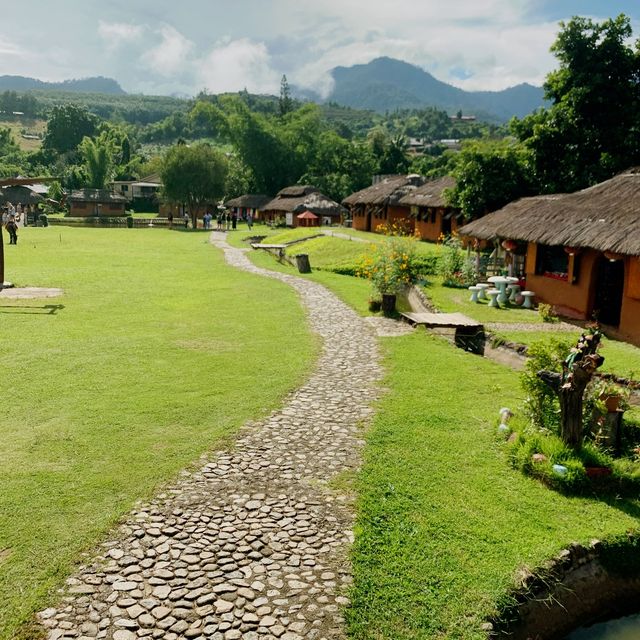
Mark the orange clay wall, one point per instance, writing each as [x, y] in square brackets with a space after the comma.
[429, 231]
[359, 220]
[630, 315]
[572, 299]
[402, 216]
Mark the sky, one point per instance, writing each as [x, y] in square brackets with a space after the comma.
[183, 47]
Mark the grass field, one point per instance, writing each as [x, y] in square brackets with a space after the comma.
[443, 522]
[31, 126]
[153, 356]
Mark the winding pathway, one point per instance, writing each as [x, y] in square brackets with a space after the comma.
[255, 543]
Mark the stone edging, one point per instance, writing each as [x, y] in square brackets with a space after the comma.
[578, 586]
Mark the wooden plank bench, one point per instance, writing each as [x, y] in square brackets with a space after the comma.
[469, 333]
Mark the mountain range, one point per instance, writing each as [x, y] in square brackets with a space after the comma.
[97, 84]
[384, 84]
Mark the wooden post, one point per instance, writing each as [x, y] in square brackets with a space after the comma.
[302, 260]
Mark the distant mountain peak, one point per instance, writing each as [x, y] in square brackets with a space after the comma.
[387, 84]
[95, 84]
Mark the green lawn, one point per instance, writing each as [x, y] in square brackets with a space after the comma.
[157, 353]
[443, 522]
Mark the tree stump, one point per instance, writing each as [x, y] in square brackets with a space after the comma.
[577, 370]
[302, 260]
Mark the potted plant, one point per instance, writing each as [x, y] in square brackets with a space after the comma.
[390, 266]
[610, 397]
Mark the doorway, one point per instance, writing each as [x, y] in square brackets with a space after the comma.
[607, 303]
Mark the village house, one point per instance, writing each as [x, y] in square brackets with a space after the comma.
[428, 208]
[250, 203]
[291, 202]
[379, 204]
[581, 251]
[96, 202]
[143, 194]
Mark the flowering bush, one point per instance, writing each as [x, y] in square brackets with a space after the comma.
[391, 265]
[456, 269]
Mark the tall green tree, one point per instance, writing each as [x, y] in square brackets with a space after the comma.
[592, 129]
[285, 103]
[194, 175]
[98, 157]
[488, 176]
[68, 124]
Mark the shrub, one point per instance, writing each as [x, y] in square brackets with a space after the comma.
[546, 313]
[130, 222]
[390, 265]
[455, 267]
[541, 404]
[44, 221]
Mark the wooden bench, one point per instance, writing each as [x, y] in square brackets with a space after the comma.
[469, 333]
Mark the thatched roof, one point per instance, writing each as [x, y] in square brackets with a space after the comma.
[307, 215]
[389, 190]
[298, 199]
[95, 195]
[430, 194]
[249, 201]
[296, 191]
[605, 217]
[19, 194]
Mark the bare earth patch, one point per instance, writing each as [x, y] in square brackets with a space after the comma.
[28, 293]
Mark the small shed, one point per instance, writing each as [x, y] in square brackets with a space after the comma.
[308, 219]
[250, 203]
[96, 202]
[300, 198]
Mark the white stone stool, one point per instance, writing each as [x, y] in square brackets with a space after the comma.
[528, 299]
[493, 297]
[474, 293]
[514, 290]
[482, 294]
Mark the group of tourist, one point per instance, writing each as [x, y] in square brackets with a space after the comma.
[225, 221]
[13, 217]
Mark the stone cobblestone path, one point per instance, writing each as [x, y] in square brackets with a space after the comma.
[255, 543]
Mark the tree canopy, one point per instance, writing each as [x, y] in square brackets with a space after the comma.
[67, 126]
[194, 175]
[590, 132]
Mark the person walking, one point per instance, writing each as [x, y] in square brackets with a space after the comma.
[234, 221]
[12, 228]
[249, 221]
[185, 218]
[228, 221]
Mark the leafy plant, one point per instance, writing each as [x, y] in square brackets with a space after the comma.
[546, 313]
[456, 269]
[541, 404]
[391, 265]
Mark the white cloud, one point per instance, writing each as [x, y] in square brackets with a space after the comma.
[234, 65]
[171, 56]
[117, 33]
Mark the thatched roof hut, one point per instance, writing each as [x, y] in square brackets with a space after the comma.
[297, 199]
[430, 194]
[388, 190]
[605, 217]
[19, 194]
[249, 201]
[97, 196]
